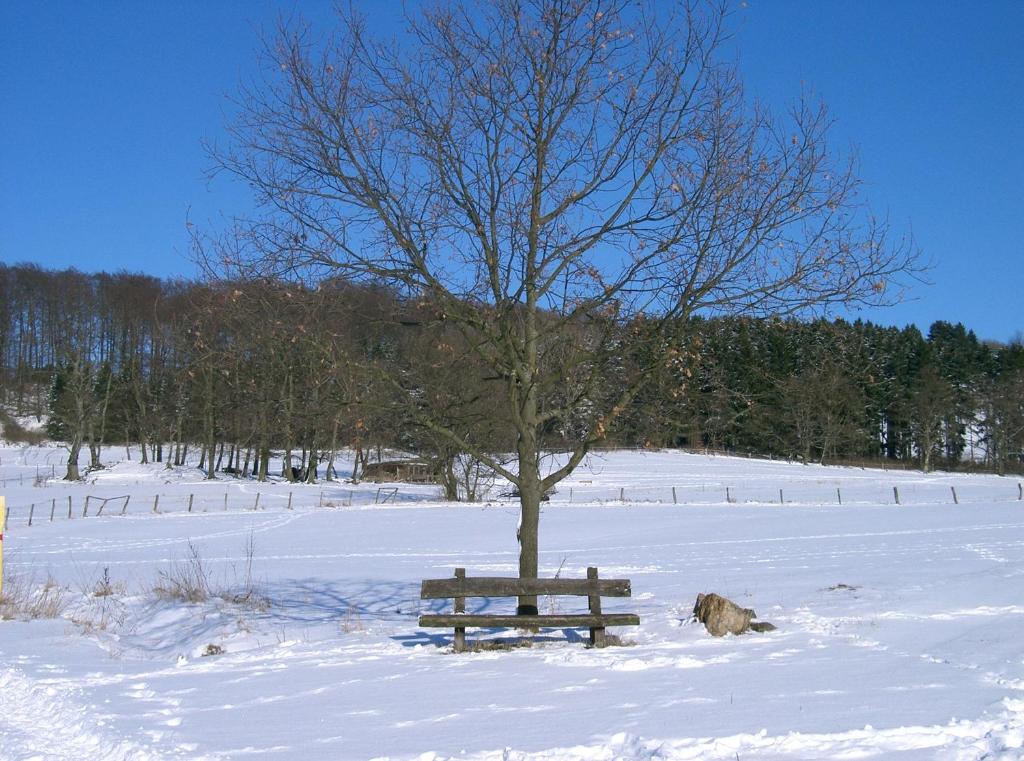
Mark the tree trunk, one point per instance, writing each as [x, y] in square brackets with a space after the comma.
[210, 426]
[329, 476]
[74, 448]
[530, 493]
[311, 465]
[264, 462]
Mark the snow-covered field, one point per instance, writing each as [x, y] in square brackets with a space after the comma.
[899, 627]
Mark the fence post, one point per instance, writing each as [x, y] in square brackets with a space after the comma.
[69, 506]
[126, 500]
[156, 503]
[225, 501]
[190, 496]
[289, 500]
[256, 505]
[955, 500]
[31, 510]
[674, 500]
[597, 633]
[1020, 491]
[460, 607]
[53, 508]
[622, 494]
[321, 498]
[839, 496]
[85, 507]
[728, 496]
[896, 494]
[781, 500]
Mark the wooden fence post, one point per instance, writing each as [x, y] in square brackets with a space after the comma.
[728, 496]
[955, 500]
[256, 505]
[781, 500]
[156, 503]
[289, 500]
[839, 496]
[674, 500]
[126, 500]
[597, 638]
[53, 508]
[896, 494]
[622, 494]
[85, 508]
[31, 510]
[190, 496]
[69, 506]
[460, 607]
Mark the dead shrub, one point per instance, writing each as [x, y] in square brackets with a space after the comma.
[23, 599]
[185, 581]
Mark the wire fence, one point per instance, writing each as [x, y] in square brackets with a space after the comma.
[838, 494]
[109, 503]
[147, 502]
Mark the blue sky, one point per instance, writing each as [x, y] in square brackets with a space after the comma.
[103, 106]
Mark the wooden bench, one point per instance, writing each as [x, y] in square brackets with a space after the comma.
[460, 587]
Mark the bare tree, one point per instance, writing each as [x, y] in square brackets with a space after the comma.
[544, 171]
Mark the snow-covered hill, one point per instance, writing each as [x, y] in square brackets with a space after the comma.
[898, 626]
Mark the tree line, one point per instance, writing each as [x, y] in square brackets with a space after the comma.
[238, 369]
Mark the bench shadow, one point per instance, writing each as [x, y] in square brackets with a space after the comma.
[315, 600]
[484, 639]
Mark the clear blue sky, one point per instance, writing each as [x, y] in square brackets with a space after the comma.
[103, 106]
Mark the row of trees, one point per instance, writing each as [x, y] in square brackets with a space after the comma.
[241, 368]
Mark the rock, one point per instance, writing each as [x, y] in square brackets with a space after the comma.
[722, 616]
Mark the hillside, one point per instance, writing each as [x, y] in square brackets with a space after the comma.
[898, 626]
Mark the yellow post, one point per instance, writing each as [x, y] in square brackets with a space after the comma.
[3, 520]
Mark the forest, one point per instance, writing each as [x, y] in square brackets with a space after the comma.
[238, 369]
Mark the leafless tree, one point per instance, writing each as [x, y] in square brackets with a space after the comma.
[542, 169]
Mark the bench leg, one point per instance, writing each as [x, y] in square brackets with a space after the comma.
[460, 639]
[597, 638]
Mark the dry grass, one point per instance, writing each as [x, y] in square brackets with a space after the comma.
[189, 581]
[185, 581]
[245, 591]
[351, 622]
[504, 644]
[23, 599]
[105, 587]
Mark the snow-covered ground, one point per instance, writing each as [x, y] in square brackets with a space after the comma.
[899, 627]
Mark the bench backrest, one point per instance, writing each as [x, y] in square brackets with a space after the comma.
[496, 586]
